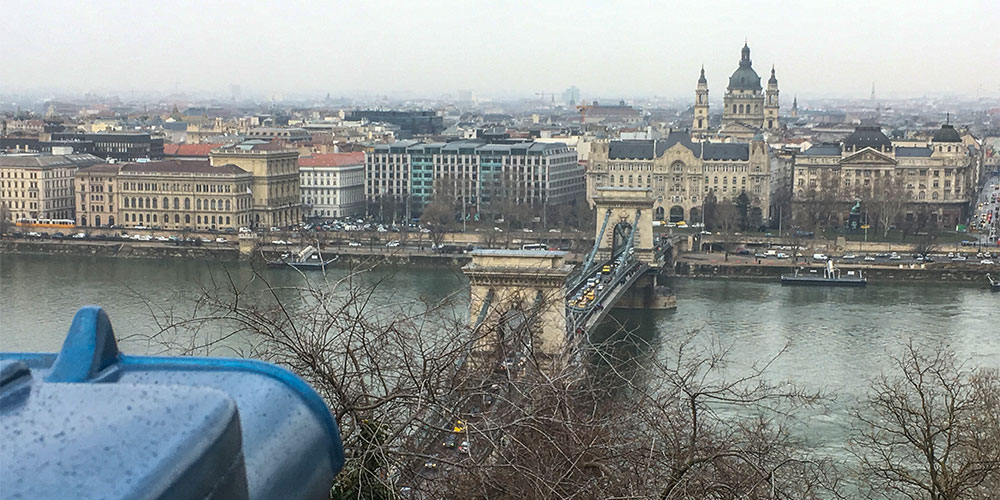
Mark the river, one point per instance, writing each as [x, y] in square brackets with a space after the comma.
[835, 339]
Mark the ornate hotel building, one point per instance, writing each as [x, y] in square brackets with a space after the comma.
[682, 172]
[938, 178]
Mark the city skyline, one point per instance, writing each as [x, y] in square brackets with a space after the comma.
[431, 49]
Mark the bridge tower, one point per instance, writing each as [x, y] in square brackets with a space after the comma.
[624, 203]
[530, 280]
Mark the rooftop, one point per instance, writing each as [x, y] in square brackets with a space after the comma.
[47, 160]
[823, 150]
[253, 146]
[332, 159]
[181, 167]
[189, 149]
[908, 151]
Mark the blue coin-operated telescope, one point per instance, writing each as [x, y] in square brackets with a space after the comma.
[91, 422]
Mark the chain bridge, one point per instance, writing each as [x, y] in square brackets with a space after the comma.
[567, 302]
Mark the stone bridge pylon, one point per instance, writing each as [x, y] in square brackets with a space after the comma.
[626, 206]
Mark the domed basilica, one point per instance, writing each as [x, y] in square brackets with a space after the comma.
[748, 109]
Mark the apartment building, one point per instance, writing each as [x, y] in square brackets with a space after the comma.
[40, 185]
[332, 185]
[478, 172]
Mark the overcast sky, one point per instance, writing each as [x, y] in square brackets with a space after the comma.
[606, 48]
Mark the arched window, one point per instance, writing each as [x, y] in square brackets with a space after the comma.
[154, 202]
[922, 195]
[197, 204]
[154, 217]
[741, 109]
[199, 219]
[934, 195]
[227, 205]
[213, 204]
[227, 219]
[187, 218]
[177, 203]
[177, 219]
[187, 204]
[734, 108]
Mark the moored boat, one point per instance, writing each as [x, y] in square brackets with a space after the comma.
[308, 258]
[994, 283]
[831, 276]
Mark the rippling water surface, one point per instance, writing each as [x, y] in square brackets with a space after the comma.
[836, 338]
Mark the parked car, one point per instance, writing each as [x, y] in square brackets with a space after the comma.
[449, 442]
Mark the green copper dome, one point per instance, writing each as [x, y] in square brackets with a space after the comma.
[745, 78]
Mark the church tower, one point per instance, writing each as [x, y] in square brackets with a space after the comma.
[795, 107]
[744, 100]
[700, 125]
[771, 103]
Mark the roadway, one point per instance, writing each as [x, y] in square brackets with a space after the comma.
[986, 214]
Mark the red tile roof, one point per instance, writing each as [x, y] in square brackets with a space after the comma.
[189, 149]
[332, 159]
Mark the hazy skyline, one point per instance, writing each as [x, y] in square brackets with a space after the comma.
[430, 48]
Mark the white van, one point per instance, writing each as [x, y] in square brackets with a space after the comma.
[819, 257]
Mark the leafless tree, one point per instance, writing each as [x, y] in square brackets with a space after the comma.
[5, 222]
[675, 421]
[727, 223]
[930, 429]
[883, 199]
[926, 245]
[816, 205]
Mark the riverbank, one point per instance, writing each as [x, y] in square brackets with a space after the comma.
[690, 266]
[121, 249]
[346, 255]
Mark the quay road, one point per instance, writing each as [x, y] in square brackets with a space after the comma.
[404, 241]
[986, 260]
[986, 214]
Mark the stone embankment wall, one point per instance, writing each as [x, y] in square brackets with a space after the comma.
[118, 249]
[931, 272]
